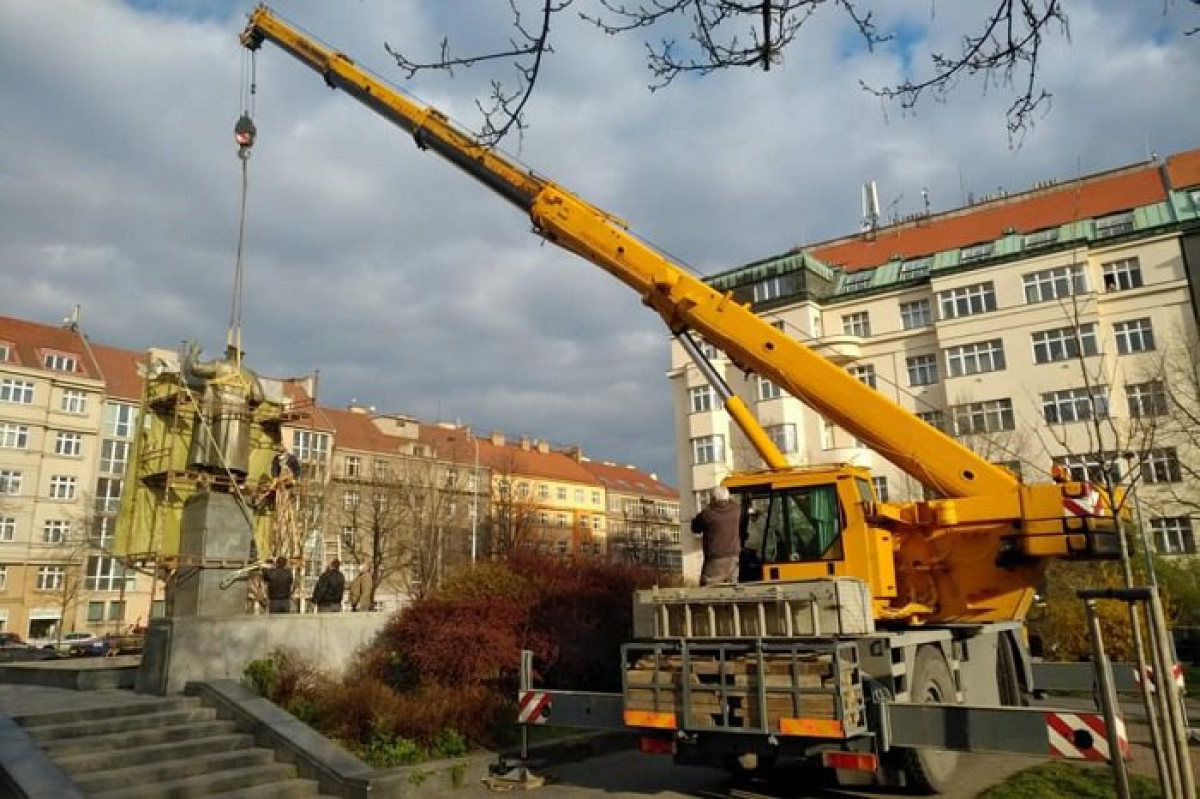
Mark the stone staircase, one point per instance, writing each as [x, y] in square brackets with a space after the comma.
[171, 747]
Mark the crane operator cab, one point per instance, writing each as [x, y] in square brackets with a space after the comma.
[811, 523]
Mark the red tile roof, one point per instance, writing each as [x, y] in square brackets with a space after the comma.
[31, 341]
[1089, 197]
[122, 378]
[629, 480]
[357, 431]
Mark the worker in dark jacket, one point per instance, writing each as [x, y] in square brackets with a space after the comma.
[279, 586]
[327, 595]
[718, 525]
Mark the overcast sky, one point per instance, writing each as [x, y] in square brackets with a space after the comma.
[413, 289]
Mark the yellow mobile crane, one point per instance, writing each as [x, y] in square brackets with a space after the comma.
[948, 581]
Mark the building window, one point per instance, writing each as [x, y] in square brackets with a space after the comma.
[382, 469]
[922, 370]
[62, 487]
[1136, 335]
[916, 268]
[8, 528]
[973, 359]
[19, 392]
[353, 466]
[865, 374]
[767, 390]
[701, 399]
[10, 482]
[50, 578]
[309, 446]
[114, 456]
[579, 496]
[116, 611]
[783, 436]
[108, 494]
[1075, 405]
[73, 401]
[95, 612]
[60, 362]
[857, 324]
[1114, 225]
[967, 300]
[708, 449]
[1122, 275]
[560, 493]
[5, 351]
[856, 281]
[1146, 399]
[68, 444]
[1173, 535]
[543, 491]
[1064, 343]
[935, 419]
[350, 500]
[976, 252]
[916, 314]
[1055, 284]
[1041, 238]
[769, 289]
[561, 520]
[990, 416]
[1092, 467]
[14, 436]
[880, 484]
[119, 420]
[56, 531]
[1161, 465]
[596, 498]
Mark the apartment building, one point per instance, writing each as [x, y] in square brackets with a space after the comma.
[67, 412]
[1011, 324]
[642, 516]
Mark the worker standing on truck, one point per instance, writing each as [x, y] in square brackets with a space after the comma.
[717, 525]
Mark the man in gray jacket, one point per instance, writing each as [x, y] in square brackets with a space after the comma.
[718, 525]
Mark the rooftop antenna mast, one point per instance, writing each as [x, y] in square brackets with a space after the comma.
[870, 207]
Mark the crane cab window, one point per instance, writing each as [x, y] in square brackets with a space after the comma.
[793, 525]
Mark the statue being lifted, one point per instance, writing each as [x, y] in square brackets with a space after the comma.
[229, 392]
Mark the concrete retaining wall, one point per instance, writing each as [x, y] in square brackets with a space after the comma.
[199, 649]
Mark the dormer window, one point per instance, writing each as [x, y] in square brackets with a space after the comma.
[60, 362]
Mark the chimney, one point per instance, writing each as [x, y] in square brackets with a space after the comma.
[497, 438]
[543, 447]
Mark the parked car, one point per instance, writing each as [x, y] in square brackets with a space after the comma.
[129, 643]
[64, 642]
[15, 650]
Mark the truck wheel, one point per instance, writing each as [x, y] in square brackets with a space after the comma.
[930, 771]
[1011, 694]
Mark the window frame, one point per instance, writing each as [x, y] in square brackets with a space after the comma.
[708, 449]
[975, 358]
[1064, 343]
[916, 314]
[16, 392]
[965, 301]
[856, 323]
[1123, 274]
[922, 369]
[1055, 283]
[1134, 336]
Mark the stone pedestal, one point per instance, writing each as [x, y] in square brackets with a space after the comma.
[212, 526]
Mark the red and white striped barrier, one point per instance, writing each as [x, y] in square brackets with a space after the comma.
[1083, 736]
[534, 707]
[1176, 674]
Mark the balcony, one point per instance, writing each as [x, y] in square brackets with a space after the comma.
[841, 349]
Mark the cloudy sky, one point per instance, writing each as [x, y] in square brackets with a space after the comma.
[411, 288]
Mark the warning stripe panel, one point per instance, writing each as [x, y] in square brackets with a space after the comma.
[1082, 736]
[534, 707]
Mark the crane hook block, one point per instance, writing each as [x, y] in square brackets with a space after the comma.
[244, 133]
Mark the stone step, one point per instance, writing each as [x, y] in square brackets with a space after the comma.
[139, 707]
[148, 760]
[237, 781]
[145, 737]
[105, 725]
[286, 789]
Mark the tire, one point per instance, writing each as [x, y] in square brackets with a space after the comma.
[1007, 678]
[930, 771]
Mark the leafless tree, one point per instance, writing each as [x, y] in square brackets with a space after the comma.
[512, 512]
[1004, 49]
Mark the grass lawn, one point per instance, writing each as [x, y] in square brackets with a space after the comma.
[1062, 780]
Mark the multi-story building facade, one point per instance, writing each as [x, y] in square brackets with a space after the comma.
[642, 516]
[1015, 324]
[67, 410]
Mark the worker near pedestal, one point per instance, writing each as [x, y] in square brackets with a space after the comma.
[717, 525]
[279, 580]
[327, 595]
